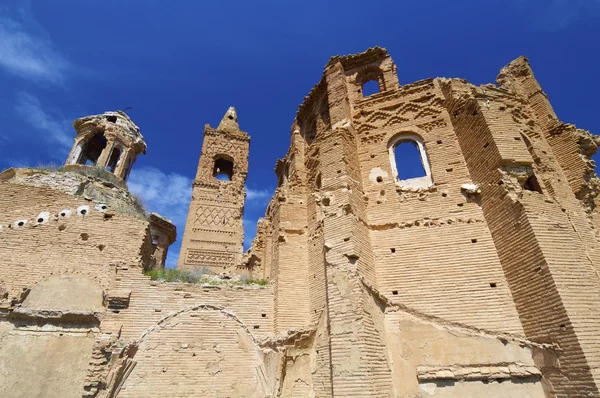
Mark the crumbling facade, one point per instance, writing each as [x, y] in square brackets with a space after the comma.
[475, 276]
[214, 231]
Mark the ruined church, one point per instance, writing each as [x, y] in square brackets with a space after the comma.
[479, 276]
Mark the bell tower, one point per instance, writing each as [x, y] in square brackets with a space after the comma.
[214, 230]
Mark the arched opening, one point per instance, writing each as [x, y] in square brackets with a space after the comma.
[223, 169]
[370, 87]
[92, 149]
[114, 159]
[409, 161]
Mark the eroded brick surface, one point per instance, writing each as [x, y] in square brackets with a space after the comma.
[477, 277]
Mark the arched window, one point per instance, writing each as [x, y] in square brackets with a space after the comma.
[370, 87]
[114, 159]
[370, 80]
[223, 169]
[92, 149]
[409, 162]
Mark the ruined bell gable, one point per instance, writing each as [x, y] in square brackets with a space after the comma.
[428, 239]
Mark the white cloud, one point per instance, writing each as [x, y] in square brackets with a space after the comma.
[56, 130]
[166, 194]
[258, 195]
[27, 54]
[555, 15]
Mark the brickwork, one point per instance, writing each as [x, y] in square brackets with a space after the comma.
[476, 278]
[214, 233]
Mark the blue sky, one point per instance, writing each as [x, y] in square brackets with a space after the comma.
[181, 63]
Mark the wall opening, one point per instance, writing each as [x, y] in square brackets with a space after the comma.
[223, 169]
[370, 87]
[92, 149]
[532, 184]
[114, 159]
[409, 162]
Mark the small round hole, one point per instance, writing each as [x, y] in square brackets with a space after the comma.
[84, 236]
[379, 179]
[20, 223]
[63, 214]
[62, 227]
[40, 219]
[84, 211]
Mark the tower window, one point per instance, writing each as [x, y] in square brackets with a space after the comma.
[370, 87]
[409, 161]
[92, 149]
[223, 170]
[114, 160]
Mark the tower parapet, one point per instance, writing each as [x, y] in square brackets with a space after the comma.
[214, 231]
[111, 141]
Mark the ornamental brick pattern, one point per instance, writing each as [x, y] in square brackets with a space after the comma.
[478, 278]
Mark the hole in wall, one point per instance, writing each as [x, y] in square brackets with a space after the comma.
[101, 247]
[62, 227]
[263, 315]
[382, 192]
[256, 327]
[84, 211]
[473, 240]
[40, 220]
[370, 87]
[379, 179]
[63, 214]
[112, 119]
[393, 250]
[486, 144]
[493, 284]
[395, 292]
[444, 194]
[532, 184]
[408, 155]
[223, 169]
[449, 170]
[84, 236]
[326, 201]
[21, 223]
[439, 141]
[460, 204]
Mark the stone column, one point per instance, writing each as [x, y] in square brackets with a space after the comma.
[104, 156]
